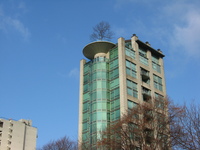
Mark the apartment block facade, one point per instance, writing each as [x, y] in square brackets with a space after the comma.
[115, 78]
[17, 135]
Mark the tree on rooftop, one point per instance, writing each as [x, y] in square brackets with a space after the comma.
[102, 32]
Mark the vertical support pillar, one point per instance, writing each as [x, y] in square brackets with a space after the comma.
[122, 76]
[80, 128]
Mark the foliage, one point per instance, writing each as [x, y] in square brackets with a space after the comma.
[102, 32]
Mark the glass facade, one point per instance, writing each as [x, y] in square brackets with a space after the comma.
[95, 99]
[114, 85]
[100, 96]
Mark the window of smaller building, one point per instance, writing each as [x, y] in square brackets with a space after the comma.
[11, 124]
[9, 136]
[1, 124]
[8, 148]
[9, 142]
[10, 130]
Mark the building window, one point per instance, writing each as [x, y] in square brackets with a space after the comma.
[129, 50]
[155, 64]
[10, 130]
[143, 57]
[132, 88]
[131, 104]
[157, 82]
[113, 53]
[11, 124]
[130, 53]
[9, 142]
[146, 94]
[130, 69]
[148, 136]
[159, 101]
[115, 115]
[114, 73]
[9, 136]
[8, 148]
[1, 124]
[145, 76]
[113, 64]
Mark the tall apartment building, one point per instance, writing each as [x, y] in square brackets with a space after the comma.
[17, 135]
[114, 79]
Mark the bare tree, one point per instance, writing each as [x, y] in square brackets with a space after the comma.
[146, 126]
[143, 127]
[102, 32]
[63, 143]
[186, 128]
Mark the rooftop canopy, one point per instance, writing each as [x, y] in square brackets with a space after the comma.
[94, 48]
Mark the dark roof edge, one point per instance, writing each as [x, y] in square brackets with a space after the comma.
[150, 48]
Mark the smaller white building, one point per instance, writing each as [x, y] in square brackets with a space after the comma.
[17, 135]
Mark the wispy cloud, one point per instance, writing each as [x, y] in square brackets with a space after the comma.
[62, 38]
[188, 36]
[74, 73]
[9, 23]
[175, 24]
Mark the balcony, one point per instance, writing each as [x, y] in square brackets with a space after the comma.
[146, 94]
[145, 75]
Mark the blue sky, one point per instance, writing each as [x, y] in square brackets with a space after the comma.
[41, 45]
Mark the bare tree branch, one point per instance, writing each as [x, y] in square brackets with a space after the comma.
[63, 143]
[102, 32]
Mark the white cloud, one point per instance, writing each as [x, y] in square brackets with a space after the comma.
[9, 23]
[74, 73]
[188, 36]
[18, 26]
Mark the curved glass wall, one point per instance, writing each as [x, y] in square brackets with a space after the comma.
[95, 99]
[101, 104]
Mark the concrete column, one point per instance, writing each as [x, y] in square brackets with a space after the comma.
[122, 76]
[161, 63]
[139, 82]
[82, 62]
